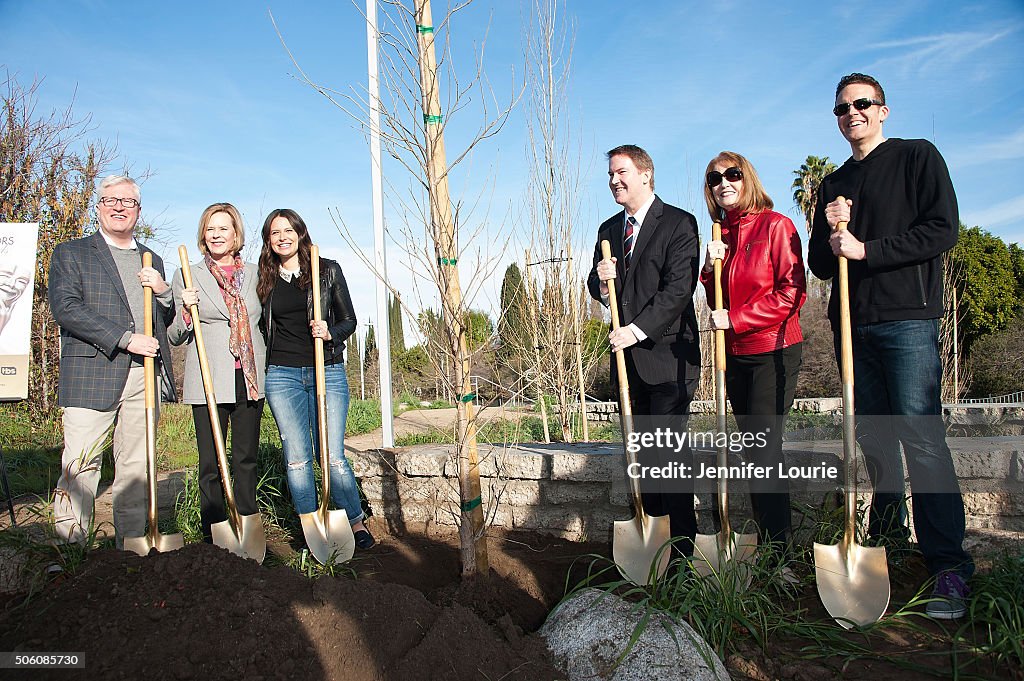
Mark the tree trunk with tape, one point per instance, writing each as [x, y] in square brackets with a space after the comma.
[472, 538]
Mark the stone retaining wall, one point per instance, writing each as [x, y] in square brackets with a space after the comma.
[576, 491]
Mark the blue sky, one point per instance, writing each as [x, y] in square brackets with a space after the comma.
[204, 95]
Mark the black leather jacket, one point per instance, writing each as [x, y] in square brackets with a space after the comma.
[336, 310]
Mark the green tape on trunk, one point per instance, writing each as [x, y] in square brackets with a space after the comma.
[432, 119]
[467, 398]
[424, 29]
[447, 261]
[468, 506]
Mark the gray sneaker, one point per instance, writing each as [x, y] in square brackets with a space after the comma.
[949, 598]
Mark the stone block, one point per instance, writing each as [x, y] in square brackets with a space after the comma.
[556, 492]
[426, 460]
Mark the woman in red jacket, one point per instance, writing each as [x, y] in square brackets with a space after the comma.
[763, 288]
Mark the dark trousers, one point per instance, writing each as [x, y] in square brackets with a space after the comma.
[761, 389]
[897, 383]
[659, 406]
[244, 416]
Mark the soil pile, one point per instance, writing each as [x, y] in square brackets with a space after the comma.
[201, 612]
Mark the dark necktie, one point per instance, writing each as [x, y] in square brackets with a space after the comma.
[627, 241]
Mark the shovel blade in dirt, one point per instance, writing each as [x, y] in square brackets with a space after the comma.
[152, 539]
[328, 535]
[716, 556]
[249, 542]
[635, 547]
[853, 582]
[242, 535]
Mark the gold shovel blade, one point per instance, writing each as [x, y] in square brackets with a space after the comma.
[635, 546]
[331, 538]
[853, 584]
[732, 558]
[161, 542]
[250, 542]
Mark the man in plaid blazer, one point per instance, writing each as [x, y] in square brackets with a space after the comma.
[96, 295]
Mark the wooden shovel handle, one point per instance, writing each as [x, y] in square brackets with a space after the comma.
[845, 328]
[211, 396]
[716, 235]
[321, 383]
[147, 328]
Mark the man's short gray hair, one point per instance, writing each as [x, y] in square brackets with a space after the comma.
[114, 180]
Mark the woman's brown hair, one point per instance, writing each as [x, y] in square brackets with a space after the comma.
[270, 263]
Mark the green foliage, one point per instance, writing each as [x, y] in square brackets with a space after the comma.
[479, 329]
[363, 417]
[988, 286]
[395, 325]
[997, 361]
[805, 185]
[412, 364]
[353, 363]
[512, 323]
[994, 624]
[370, 356]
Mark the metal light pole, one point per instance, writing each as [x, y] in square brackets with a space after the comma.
[383, 323]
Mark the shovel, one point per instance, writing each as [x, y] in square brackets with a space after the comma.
[152, 539]
[636, 543]
[715, 552]
[328, 533]
[242, 535]
[853, 580]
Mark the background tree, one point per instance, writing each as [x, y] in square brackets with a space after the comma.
[353, 365]
[988, 287]
[370, 361]
[48, 171]
[395, 321]
[805, 185]
[997, 361]
[512, 323]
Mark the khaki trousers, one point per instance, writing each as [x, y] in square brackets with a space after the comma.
[84, 433]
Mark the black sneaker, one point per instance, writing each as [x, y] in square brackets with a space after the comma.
[364, 539]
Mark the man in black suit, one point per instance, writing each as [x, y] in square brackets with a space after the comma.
[655, 259]
[96, 295]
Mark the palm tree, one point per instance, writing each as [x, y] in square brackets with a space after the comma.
[805, 186]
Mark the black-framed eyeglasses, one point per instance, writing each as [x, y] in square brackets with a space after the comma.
[111, 201]
[733, 174]
[858, 104]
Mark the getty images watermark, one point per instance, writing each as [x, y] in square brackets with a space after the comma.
[667, 439]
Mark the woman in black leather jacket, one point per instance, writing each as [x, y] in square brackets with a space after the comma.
[285, 289]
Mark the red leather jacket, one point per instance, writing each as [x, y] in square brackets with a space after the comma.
[763, 282]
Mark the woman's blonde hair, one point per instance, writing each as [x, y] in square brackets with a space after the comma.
[753, 197]
[236, 219]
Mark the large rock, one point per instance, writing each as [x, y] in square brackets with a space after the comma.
[589, 631]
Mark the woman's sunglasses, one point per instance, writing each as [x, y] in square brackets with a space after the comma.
[732, 174]
[858, 104]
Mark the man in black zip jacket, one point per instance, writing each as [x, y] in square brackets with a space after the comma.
[902, 214]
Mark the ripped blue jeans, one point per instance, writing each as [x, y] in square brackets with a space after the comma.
[291, 394]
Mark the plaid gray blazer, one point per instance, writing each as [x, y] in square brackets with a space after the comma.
[89, 303]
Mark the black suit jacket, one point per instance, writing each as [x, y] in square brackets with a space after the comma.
[657, 292]
[89, 303]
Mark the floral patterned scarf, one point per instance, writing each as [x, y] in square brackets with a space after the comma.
[240, 342]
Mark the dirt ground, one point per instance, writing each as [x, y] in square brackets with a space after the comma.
[203, 613]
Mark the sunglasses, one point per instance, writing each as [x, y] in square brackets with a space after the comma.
[732, 174]
[858, 104]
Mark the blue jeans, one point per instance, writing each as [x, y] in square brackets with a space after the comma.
[897, 395]
[291, 394]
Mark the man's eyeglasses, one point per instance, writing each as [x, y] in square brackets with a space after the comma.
[111, 201]
[733, 174]
[858, 104]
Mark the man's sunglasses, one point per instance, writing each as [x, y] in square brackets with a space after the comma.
[858, 104]
[733, 174]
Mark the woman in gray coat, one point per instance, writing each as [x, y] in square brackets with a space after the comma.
[224, 287]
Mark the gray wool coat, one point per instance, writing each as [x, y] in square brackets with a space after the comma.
[213, 315]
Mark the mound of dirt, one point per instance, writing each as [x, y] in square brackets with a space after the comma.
[204, 613]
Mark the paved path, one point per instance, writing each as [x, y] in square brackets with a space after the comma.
[423, 420]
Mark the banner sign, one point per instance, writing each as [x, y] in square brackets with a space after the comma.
[17, 273]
